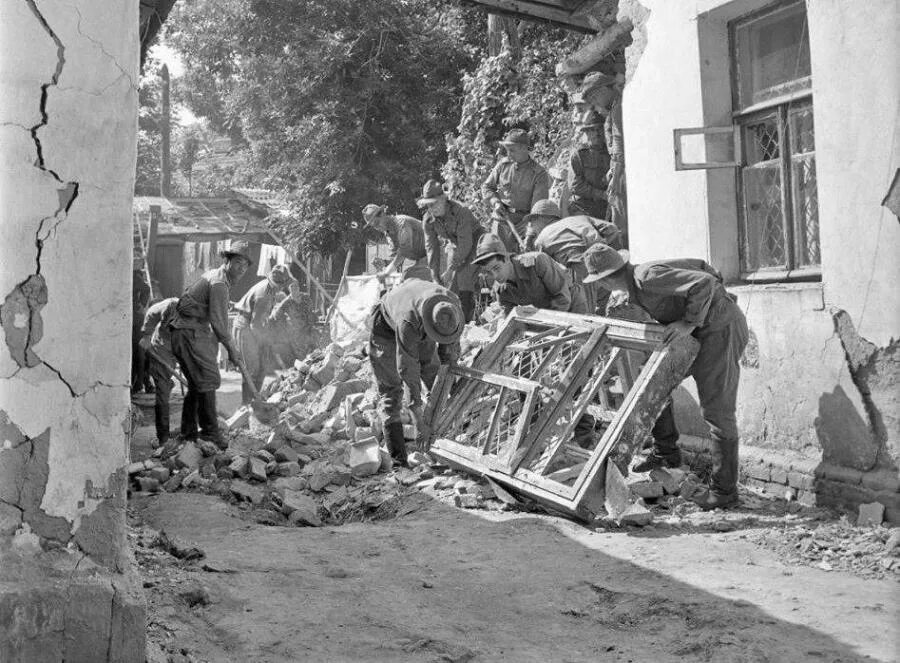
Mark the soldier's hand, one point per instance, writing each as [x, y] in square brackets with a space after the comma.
[676, 330]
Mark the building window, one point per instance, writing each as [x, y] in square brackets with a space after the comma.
[778, 203]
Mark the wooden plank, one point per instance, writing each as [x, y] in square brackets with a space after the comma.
[495, 420]
[636, 335]
[596, 49]
[528, 347]
[498, 379]
[537, 11]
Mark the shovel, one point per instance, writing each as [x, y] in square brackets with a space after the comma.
[267, 413]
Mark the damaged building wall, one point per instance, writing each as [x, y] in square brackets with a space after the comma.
[820, 375]
[68, 102]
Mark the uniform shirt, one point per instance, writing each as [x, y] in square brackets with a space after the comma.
[459, 227]
[405, 236]
[402, 310]
[257, 304]
[204, 305]
[518, 185]
[536, 280]
[589, 167]
[566, 240]
[687, 289]
[140, 297]
[156, 326]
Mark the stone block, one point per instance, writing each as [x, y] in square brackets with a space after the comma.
[645, 488]
[244, 491]
[365, 458]
[800, 481]
[161, 474]
[779, 475]
[305, 517]
[468, 501]
[760, 471]
[148, 484]
[617, 495]
[870, 514]
[636, 514]
[286, 454]
[287, 469]
[192, 479]
[264, 455]
[290, 483]
[294, 500]
[239, 419]
[334, 394]
[257, 468]
[189, 456]
[240, 467]
[669, 478]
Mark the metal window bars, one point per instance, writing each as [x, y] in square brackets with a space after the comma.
[551, 398]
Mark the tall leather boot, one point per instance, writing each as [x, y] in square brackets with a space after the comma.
[396, 443]
[209, 419]
[722, 492]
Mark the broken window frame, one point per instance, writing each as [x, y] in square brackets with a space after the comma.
[797, 240]
[707, 131]
[646, 371]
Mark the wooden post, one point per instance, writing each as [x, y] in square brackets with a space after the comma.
[165, 126]
[155, 215]
[333, 306]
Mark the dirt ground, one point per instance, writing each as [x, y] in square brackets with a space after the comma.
[442, 584]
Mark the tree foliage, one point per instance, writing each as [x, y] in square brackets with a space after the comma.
[506, 92]
[337, 102]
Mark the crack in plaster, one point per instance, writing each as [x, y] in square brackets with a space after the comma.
[62, 379]
[103, 50]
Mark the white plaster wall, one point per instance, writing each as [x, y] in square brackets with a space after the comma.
[80, 391]
[855, 49]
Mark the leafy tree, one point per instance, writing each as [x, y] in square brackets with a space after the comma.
[338, 102]
[147, 175]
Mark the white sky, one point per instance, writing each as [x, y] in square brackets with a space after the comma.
[172, 59]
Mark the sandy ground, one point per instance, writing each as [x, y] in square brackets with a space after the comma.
[441, 584]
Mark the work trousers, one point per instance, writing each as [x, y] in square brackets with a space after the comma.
[162, 381]
[253, 346]
[716, 371]
[383, 357]
[140, 379]
[197, 353]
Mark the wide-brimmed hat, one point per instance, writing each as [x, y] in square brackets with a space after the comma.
[545, 207]
[443, 318]
[602, 261]
[372, 211]
[280, 275]
[238, 247]
[431, 192]
[489, 245]
[517, 137]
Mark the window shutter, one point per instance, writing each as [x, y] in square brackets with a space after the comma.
[717, 147]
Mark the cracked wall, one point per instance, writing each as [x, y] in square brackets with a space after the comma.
[67, 156]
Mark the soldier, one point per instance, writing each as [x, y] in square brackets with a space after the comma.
[566, 240]
[251, 326]
[528, 279]
[590, 165]
[157, 344]
[515, 184]
[415, 327]
[688, 297]
[200, 323]
[140, 298]
[405, 236]
[449, 219]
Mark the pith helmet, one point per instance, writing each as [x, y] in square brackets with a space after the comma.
[517, 137]
[544, 207]
[280, 275]
[442, 318]
[237, 248]
[431, 192]
[489, 245]
[602, 261]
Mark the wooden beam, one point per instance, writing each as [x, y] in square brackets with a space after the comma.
[536, 11]
[595, 50]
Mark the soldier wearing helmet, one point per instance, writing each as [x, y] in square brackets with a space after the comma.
[415, 328]
[688, 297]
[589, 167]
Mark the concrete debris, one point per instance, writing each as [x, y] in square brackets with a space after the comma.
[244, 491]
[618, 495]
[257, 468]
[636, 514]
[670, 478]
[239, 419]
[189, 456]
[647, 489]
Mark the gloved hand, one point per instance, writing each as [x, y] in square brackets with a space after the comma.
[423, 432]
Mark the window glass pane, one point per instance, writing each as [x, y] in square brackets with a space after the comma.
[801, 129]
[763, 240]
[761, 140]
[806, 210]
[772, 55]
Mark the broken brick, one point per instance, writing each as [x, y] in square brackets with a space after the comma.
[286, 455]
[870, 514]
[468, 501]
[257, 468]
[189, 456]
[636, 514]
[239, 419]
[240, 467]
[617, 494]
[244, 491]
[287, 469]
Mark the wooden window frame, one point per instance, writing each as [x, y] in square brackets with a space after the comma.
[734, 130]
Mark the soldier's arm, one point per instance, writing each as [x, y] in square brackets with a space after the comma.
[541, 189]
[489, 187]
[408, 340]
[151, 319]
[608, 233]
[218, 316]
[432, 246]
[555, 280]
[465, 238]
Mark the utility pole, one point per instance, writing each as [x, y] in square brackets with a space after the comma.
[165, 127]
